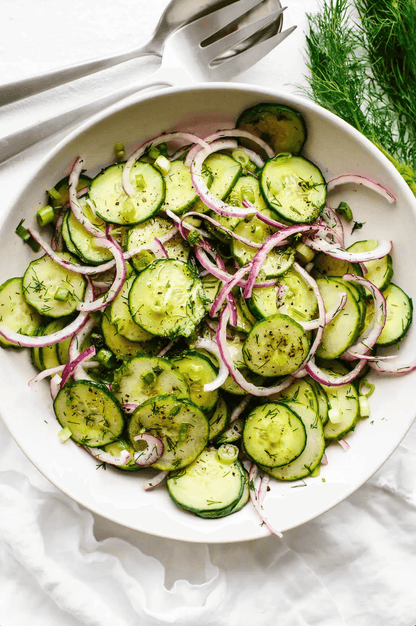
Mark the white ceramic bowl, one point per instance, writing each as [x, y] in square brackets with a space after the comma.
[337, 149]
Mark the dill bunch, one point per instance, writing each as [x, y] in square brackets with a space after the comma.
[362, 63]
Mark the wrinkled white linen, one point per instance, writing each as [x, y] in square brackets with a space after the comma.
[62, 565]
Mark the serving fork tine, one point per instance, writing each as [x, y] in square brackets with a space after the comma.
[208, 58]
[197, 52]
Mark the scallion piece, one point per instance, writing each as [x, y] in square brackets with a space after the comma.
[345, 211]
[61, 294]
[45, 215]
[119, 150]
[25, 235]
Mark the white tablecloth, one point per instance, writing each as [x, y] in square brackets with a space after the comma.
[60, 564]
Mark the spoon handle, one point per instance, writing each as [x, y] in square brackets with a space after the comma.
[12, 92]
[18, 142]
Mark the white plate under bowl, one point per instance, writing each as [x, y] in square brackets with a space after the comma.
[337, 149]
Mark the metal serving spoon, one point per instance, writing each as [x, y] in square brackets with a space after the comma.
[177, 14]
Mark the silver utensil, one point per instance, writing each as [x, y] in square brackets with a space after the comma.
[199, 56]
[177, 14]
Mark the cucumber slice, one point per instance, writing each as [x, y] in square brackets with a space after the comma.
[225, 172]
[144, 234]
[293, 187]
[49, 355]
[42, 280]
[399, 315]
[123, 348]
[198, 371]
[247, 187]
[180, 192]
[323, 405]
[235, 347]
[232, 433]
[116, 448]
[208, 487]
[278, 261]
[167, 299]
[211, 286]
[219, 420]
[67, 237]
[274, 435]
[341, 333]
[145, 377]
[83, 242]
[179, 424]
[90, 411]
[298, 298]
[344, 410]
[281, 127]
[325, 265]
[15, 312]
[276, 346]
[314, 449]
[300, 391]
[380, 271]
[59, 195]
[113, 205]
[120, 315]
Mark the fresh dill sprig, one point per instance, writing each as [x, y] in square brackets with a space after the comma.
[358, 58]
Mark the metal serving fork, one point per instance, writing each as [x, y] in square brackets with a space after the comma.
[193, 54]
[176, 14]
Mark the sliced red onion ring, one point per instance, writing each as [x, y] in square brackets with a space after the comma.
[257, 494]
[369, 337]
[71, 367]
[233, 371]
[241, 406]
[388, 367]
[78, 269]
[207, 197]
[361, 180]
[156, 141]
[73, 199]
[106, 457]
[153, 451]
[328, 235]
[245, 134]
[329, 316]
[42, 341]
[230, 144]
[57, 242]
[161, 249]
[74, 351]
[51, 371]
[156, 480]
[129, 407]
[228, 231]
[344, 444]
[324, 378]
[209, 345]
[384, 247]
[226, 291]
[265, 218]
[321, 319]
[166, 349]
[118, 282]
[225, 276]
[55, 385]
[274, 240]
[334, 221]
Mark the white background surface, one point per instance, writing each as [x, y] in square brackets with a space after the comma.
[59, 564]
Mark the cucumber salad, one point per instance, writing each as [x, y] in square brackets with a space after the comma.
[195, 310]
